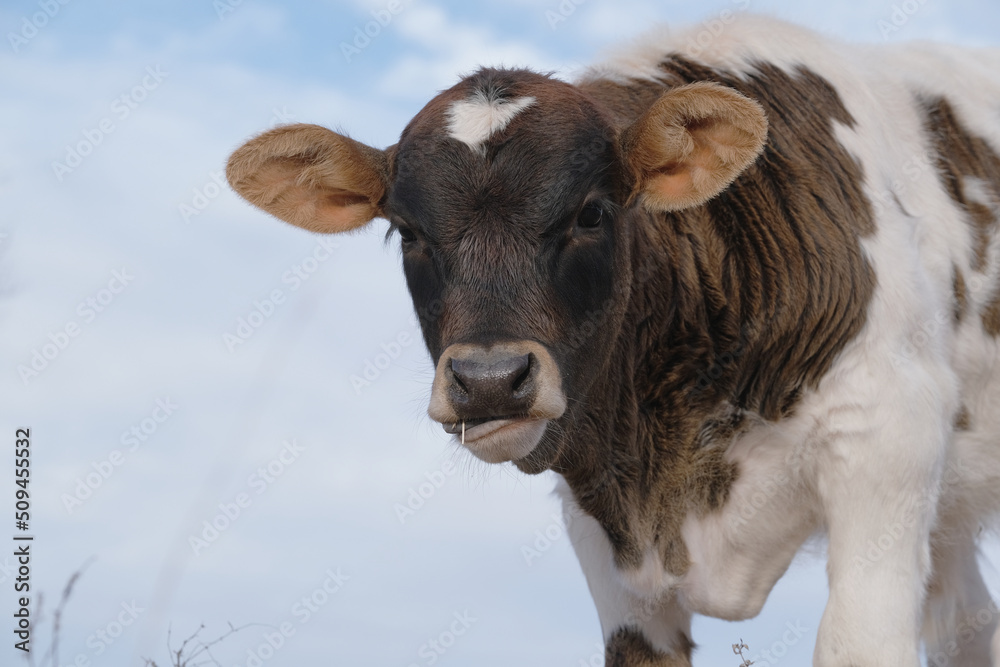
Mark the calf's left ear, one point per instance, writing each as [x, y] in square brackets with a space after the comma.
[691, 144]
[311, 177]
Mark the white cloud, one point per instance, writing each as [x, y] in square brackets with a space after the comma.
[449, 49]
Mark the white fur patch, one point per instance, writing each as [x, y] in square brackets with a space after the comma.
[980, 192]
[651, 579]
[475, 120]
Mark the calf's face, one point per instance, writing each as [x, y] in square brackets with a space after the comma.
[513, 195]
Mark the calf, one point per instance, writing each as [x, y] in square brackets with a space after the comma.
[734, 295]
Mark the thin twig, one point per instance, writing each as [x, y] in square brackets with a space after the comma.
[183, 658]
[192, 652]
[738, 649]
[51, 656]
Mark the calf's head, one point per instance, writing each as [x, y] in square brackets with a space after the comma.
[515, 197]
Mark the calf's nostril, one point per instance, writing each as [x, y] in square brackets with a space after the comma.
[522, 378]
[457, 375]
[466, 373]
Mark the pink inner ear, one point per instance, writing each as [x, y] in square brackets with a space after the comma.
[334, 217]
[691, 144]
[341, 210]
[691, 178]
[276, 179]
[674, 184]
[726, 142]
[312, 204]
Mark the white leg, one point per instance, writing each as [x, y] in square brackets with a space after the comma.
[878, 482]
[960, 618]
[638, 632]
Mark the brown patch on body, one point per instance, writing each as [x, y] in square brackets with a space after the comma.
[713, 475]
[961, 154]
[961, 294]
[991, 315]
[766, 282]
[963, 420]
[627, 647]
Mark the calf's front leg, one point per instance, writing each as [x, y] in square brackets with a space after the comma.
[638, 631]
[878, 482]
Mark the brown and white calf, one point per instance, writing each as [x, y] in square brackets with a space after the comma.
[734, 297]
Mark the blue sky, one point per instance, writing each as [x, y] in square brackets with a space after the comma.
[134, 246]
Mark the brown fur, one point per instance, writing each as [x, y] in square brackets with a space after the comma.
[623, 103]
[627, 647]
[963, 420]
[961, 294]
[991, 315]
[768, 283]
[959, 154]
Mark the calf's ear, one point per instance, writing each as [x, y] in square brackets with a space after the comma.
[311, 177]
[691, 144]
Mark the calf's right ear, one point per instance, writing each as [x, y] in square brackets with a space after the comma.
[311, 177]
[691, 144]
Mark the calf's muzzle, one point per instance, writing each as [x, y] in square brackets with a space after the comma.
[499, 398]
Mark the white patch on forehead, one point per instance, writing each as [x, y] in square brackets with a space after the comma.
[478, 118]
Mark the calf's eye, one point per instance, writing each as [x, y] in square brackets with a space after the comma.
[590, 217]
[406, 234]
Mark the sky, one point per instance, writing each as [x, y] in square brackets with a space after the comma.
[226, 413]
